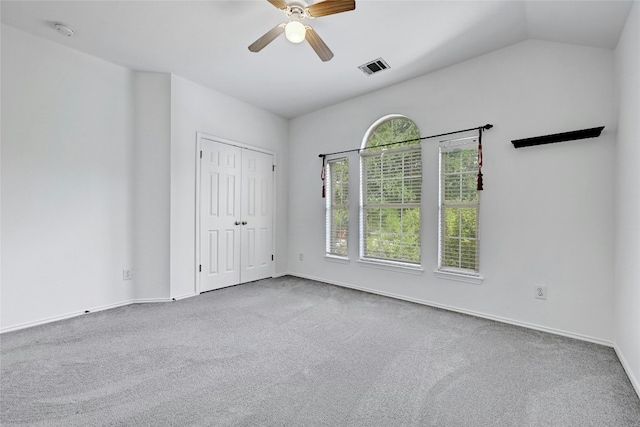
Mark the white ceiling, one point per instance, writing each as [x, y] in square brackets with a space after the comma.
[206, 41]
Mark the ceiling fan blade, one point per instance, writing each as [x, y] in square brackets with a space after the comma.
[267, 38]
[330, 7]
[280, 4]
[318, 45]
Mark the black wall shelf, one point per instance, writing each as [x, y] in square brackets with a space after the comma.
[558, 137]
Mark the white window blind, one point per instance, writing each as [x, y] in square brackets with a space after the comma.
[337, 207]
[391, 200]
[459, 206]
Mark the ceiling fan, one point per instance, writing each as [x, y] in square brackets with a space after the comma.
[296, 31]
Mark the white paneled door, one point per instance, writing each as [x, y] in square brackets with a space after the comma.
[256, 211]
[236, 215]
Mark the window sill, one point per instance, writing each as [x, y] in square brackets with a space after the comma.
[475, 279]
[392, 266]
[338, 259]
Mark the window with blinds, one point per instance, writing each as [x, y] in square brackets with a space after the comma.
[459, 206]
[337, 207]
[391, 194]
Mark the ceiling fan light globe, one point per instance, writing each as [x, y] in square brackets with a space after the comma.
[295, 31]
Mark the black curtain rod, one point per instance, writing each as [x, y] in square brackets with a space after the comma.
[487, 126]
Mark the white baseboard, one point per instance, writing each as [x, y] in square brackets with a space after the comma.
[101, 308]
[189, 295]
[62, 317]
[632, 378]
[463, 311]
[280, 275]
[149, 300]
[80, 313]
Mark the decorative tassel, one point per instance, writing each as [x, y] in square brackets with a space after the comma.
[480, 183]
[323, 175]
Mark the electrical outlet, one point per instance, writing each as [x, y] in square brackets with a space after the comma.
[540, 291]
[301, 256]
[127, 274]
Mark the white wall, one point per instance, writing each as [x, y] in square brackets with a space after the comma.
[546, 212]
[627, 232]
[67, 198]
[98, 175]
[195, 108]
[152, 179]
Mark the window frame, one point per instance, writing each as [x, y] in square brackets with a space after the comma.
[457, 272]
[331, 207]
[366, 259]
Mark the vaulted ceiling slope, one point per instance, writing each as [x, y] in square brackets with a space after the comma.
[206, 41]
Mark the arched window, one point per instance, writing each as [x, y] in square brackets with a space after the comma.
[391, 192]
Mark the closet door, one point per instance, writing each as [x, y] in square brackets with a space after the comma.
[220, 220]
[236, 215]
[257, 218]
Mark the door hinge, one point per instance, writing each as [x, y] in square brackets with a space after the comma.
[200, 268]
[273, 168]
[271, 257]
[200, 153]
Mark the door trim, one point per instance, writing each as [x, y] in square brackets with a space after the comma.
[199, 137]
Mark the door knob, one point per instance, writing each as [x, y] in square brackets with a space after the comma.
[237, 222]
[244, 222]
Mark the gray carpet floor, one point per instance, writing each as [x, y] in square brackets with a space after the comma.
[294, 352]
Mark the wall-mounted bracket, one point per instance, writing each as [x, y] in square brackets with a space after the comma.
[558, 137]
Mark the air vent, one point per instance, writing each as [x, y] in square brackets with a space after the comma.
[374, 66]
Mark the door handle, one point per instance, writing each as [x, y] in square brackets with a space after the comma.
[244, 222]
[237, 222]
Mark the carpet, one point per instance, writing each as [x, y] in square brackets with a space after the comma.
[294, 352]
